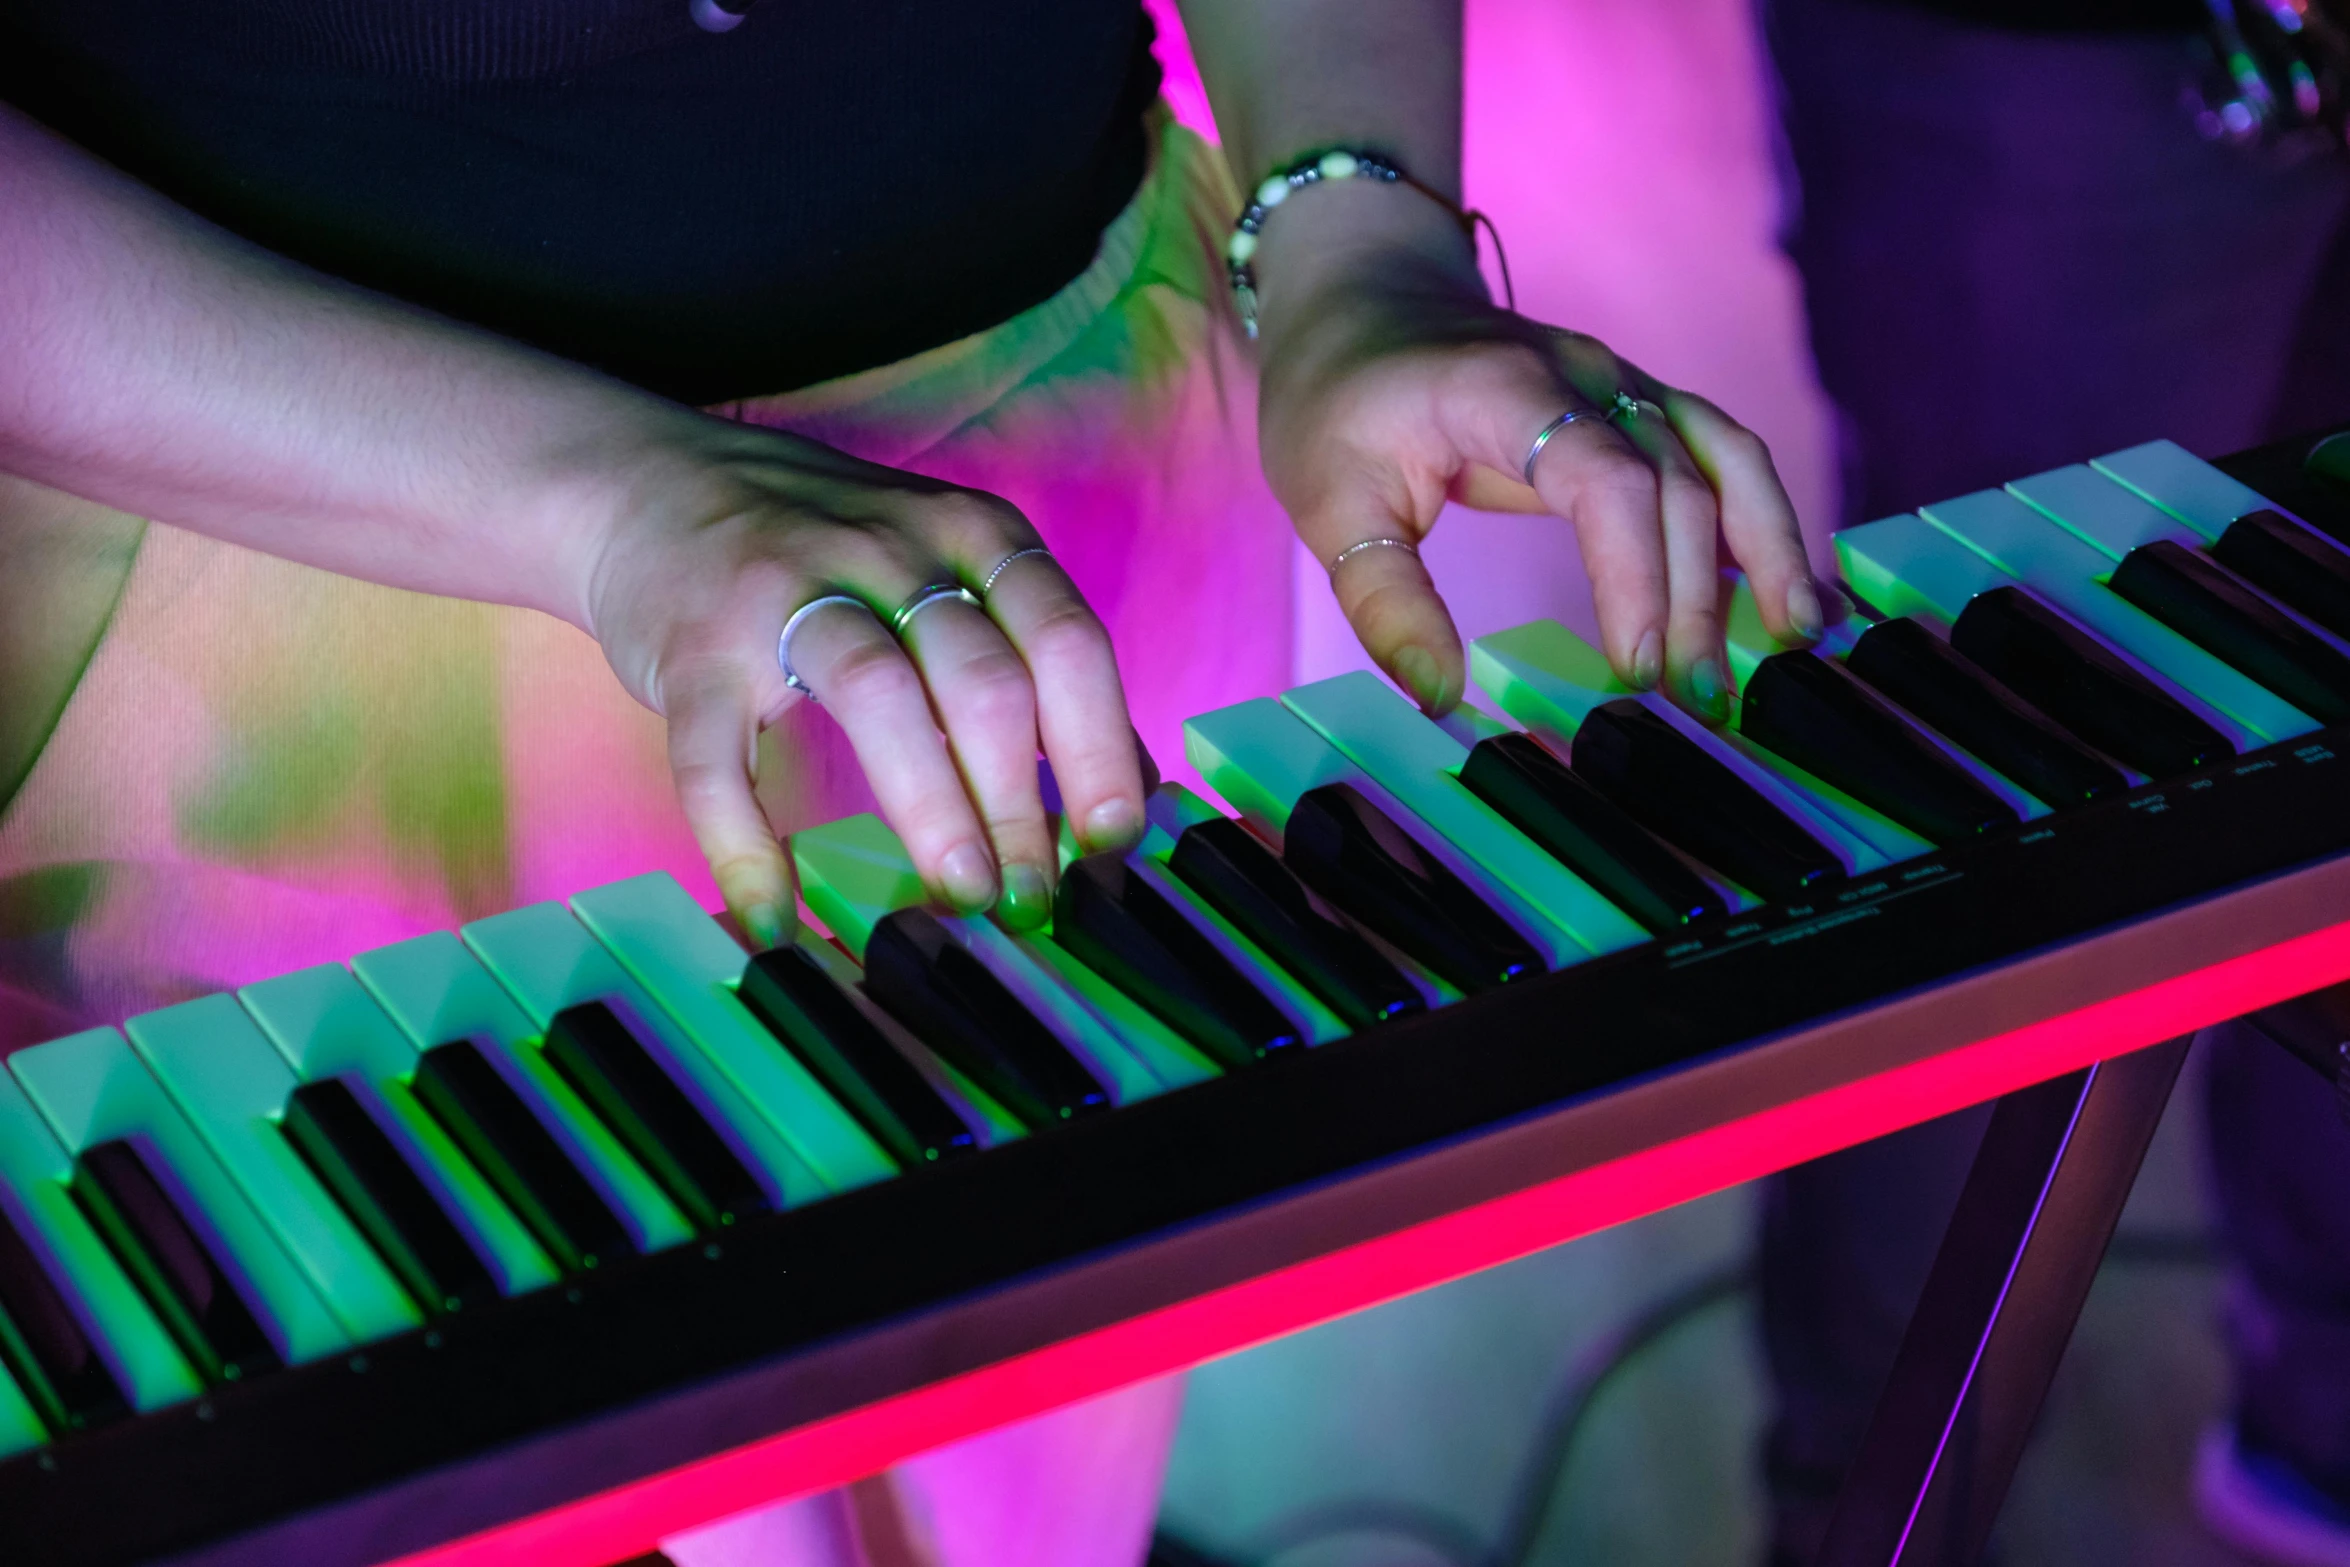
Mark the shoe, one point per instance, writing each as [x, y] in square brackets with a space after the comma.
[2262, 1507]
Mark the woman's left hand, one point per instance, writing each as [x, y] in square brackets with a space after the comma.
[1392, 384]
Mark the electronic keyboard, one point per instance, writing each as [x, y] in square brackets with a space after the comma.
[546, 1238]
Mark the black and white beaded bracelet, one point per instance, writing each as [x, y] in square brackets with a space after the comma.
[1339, 163]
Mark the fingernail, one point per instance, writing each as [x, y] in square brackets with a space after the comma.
[1028, 902]
[1707, 688]
[969, 874]
[1648, 662]
[1416, 668]
[763, 923]
[1803, 610]
[1112, 824]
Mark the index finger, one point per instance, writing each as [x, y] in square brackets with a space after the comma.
[1392, 603]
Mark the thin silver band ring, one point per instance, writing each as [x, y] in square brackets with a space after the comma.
[1628, 408]
[791, 676]
[935, 593]
[1406, 545]
[1542, 439]
[987, 587]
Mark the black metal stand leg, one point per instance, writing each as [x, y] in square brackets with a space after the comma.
[2023, 1247]
[2315, 1031]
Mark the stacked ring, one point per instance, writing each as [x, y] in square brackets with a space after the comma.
[791, 676]
[924, 597]
[997, 569]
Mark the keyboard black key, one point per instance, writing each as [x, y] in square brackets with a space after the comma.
[171, 1264]
[932, 984]
[1246, 882]
[1932, 679]
[2074, 679]
[389, 1202]
[1122, 927]
[2294, 565]
[818, 1023]
[631, 1093]
[1519, 777]
[1802, 707]
[1350, 852]
[2219, 614]
[485, 1117]
[45, 1346]
[1671, 785]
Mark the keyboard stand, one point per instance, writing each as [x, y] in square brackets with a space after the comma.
[2023, 1247]
[2315, 1031]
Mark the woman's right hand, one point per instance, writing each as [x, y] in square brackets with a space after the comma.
[719, 534]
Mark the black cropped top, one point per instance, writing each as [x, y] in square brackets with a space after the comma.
[825, 187]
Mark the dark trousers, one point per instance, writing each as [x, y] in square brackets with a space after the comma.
[2016, 253]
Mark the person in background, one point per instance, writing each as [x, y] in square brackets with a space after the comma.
[369, 373]
[2028, 233]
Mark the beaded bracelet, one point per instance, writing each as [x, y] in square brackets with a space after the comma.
[1338, 163]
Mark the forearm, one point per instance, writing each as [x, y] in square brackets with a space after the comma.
[1289, 77]
[151, 362]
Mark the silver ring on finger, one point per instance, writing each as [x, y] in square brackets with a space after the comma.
[1542, 438]
[987, 586]
[791, 676]
[924, 597]
[1406, 545]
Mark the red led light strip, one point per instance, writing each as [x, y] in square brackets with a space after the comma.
[632, 1519]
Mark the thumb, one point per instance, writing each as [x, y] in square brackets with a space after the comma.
[713, 739]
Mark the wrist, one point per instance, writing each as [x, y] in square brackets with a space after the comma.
[1335, 238]
[606, 485]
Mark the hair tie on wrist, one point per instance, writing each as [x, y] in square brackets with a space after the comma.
[1338, 163]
